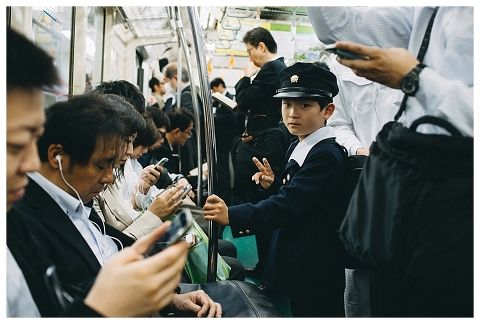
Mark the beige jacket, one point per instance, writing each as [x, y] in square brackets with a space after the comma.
[108, 205]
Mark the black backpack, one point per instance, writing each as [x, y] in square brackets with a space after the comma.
[353, 167]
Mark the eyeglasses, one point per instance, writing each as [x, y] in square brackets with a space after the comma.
[249, 49]
[189, 132]
[162, 133]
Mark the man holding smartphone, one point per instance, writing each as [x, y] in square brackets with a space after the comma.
[441, 85]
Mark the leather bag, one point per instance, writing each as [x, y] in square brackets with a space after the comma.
[238, 298]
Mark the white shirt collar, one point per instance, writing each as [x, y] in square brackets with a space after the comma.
[301, 150]
[69, 204]
[276, 57]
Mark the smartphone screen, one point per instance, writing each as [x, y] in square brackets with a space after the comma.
[186, 190]
[180, 225]
[161, 162]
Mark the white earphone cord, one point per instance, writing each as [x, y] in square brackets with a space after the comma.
[104, 233]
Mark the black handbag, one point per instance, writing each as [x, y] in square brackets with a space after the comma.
[411, 214]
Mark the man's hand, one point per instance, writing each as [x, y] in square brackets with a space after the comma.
[196, 302]
[148, 178]
[265, 177]
[363, 151]
[164, 204]
[131, 285]
[385, 66]
[250, 69]
[216, 210]
[184, 182]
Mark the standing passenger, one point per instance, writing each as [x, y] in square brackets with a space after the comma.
[254, 94]
[158, 90]
[224, 118]
[442, 86]
[362, 107]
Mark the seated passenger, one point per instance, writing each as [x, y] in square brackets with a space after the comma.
[180, 130]
[133, 204]
[83, 140]
[115, 204]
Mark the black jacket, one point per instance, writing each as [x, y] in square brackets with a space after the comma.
[256, 98]
[32, 260]
[75, 262]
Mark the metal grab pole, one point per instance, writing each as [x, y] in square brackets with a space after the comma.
[197, 112]
[209, 133]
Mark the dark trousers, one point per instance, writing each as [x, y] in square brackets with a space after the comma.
[391, 297]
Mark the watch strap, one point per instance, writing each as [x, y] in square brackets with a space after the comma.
[420, 56]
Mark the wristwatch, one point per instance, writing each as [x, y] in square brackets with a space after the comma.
[409, 83]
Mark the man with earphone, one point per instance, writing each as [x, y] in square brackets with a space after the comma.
[82, 141]
[27, 291]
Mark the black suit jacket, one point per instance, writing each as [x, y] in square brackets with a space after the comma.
[32, 259]
[75, 262]
[225, 123]
[256, 98]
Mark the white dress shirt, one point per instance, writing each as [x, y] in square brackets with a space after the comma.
[362, 107]
[102, 245]
[19, 299]
[446, 84]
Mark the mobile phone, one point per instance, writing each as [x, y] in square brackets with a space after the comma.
[343, 53]
[180, 225]
[186, 190]
[161, 162]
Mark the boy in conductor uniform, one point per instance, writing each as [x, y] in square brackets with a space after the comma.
[305, 209]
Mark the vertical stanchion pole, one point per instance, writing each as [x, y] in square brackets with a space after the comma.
[199, 45]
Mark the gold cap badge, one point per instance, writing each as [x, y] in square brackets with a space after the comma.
[294, 78]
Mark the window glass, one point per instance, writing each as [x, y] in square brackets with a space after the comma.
[51, 30]
[93, 45]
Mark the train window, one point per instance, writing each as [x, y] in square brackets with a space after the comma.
[51, 30]
[93, 45]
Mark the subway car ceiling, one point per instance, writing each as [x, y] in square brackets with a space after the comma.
[223, 29]
[94, 44]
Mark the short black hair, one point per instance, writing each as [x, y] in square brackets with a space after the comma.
[125, 89]
[81, 125]
[152, 83]
[150, 134]
[216, 82]
[28, 66]
[160, 118]
[260, 34]
[134, 122]
[180, 118]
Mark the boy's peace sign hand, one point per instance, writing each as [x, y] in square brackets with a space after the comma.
[265, 177]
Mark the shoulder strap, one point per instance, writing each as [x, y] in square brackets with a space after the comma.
[420, 56]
